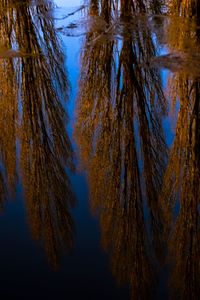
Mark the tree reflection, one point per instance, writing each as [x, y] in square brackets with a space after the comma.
[36, 113]
[185, 8]
[119, 133]
[8, 116]
[181, 183]
[8, 112]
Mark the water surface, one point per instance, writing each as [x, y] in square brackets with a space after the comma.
[99, 153]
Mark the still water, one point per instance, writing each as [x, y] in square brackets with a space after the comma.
[99, 149]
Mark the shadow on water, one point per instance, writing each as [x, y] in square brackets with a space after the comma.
[32, 120]
[144, 192]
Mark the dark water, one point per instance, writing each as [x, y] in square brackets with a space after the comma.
[99, 150]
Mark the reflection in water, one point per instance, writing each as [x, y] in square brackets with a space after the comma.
[186, 8]
[119, 132]
[146, 197]
[181, 184]
[32, 120]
